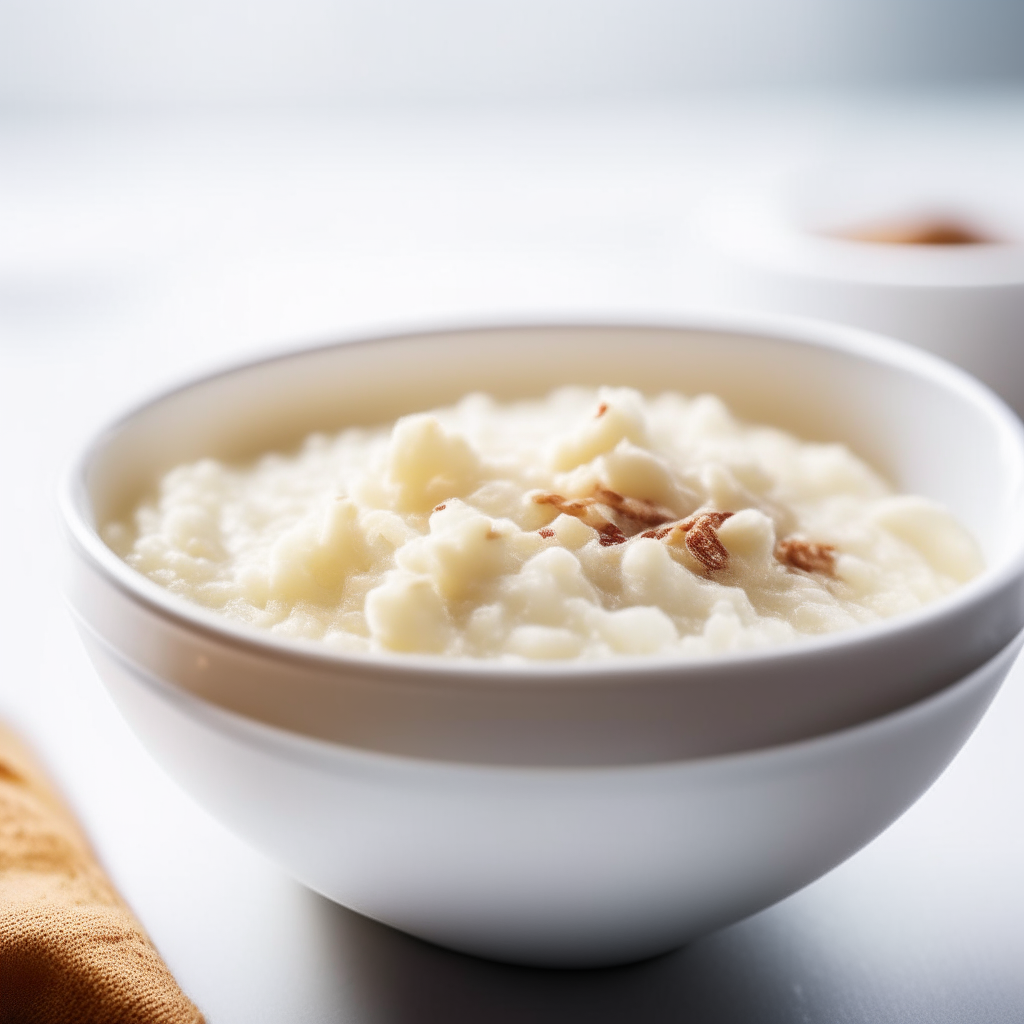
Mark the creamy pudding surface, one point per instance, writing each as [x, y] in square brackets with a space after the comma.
[588, 524]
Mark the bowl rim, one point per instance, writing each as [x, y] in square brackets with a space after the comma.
[331, 755]
[75, 512]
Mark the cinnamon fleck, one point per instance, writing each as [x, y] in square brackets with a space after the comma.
[601, 410]
[586, 510]
[546, 532]
[440, 508]
[610, 534]
[658, 534]
[702, 541]
[570, 506]
[807, 555]
[631, 514]
[641, 510]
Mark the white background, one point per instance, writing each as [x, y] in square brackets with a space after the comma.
[186, 184]
[255, 54]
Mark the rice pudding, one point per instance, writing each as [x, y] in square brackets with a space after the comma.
[588, 524]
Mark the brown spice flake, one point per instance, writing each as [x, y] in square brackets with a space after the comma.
[699, 537]
[807, 555]
[610, 534]
[440, 508]
[658, 534]
[702, 541]
[601, 410]
[546, 532]
[641, 510]
[631, 514]
[570, 506]
[587, 511]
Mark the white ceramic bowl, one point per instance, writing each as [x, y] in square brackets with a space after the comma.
[572, 813]
[775, 245]
[559, 867]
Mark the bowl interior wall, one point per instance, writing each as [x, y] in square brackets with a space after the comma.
[922, 434]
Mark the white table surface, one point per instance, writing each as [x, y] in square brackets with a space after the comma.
[135, 253]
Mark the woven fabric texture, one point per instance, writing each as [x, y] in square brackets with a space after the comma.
[70, 948]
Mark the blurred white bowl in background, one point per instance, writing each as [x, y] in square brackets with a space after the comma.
[809, 243]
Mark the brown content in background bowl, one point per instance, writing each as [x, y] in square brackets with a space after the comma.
[940, 230]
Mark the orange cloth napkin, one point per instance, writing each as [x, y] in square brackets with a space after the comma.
[71, 952]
